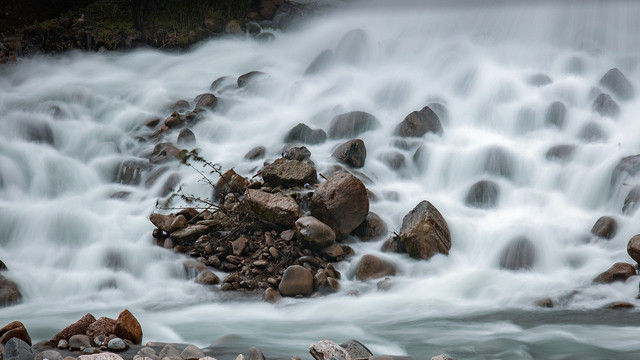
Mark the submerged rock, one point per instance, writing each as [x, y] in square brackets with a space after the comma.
[206, 101]
[250, 77]
[615, 81]
[352, 48]
[303, 134]
[352, 124]
[499, 162]
[255, 153]
[561, 153]
[373, 267]
[483, 194]
[9, 292]
[341, 202]
[606, 106]
[519, 254]
[627, 168]
[555, 115]
[321, 63]
[631, 201]
[371, 228]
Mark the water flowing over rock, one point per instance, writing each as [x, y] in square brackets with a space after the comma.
[373, 227]
[373, 267]
[556, 114]
[499, 162]
[303, 134]
[255, 153]
[206, 101]
[606, 106]
[273, 208]
[560, 153]
[320, 63]
[298, 153]
[418, 123]
[352, 124]
[353, 48]
[186, 137]
[352, 153]
[424, 233]
[341, 202]
[631, 201]
[617, 83]
[618, 272]
[289, 173]
[519, 254]
[9, 292]
[250, 77]
[484, 194]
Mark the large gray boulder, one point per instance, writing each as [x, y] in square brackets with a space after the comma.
[328, 350]
[424, 233]
[341, 202]
[277, 209]
[352, 124]
[289, 173]
[16, 349]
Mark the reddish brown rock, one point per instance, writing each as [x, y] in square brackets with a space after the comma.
[128, 327]
[273, 208]
[373, 267]
[9, 292]
[80, 327]
[14, 330]
[341, 202]
[618, 272]
[424, 232]
[102, 326]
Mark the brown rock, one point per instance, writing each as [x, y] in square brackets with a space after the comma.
[373, 227]
[206, 101]
[327, 349]
[618, 272]
[271, 295]
[546, 303]
[351, 124]
[164, 152]
[313, 233]
[128, 327]
[289, 173]
[633, 248]
[230, 182]
[168, 223]
[207, 277]
[605, 227]
[9, 292]
[80, 327]
[424, 232]
[296, 280]
[239, 245]
[620, 305]
[372, 267]
[341, 202]
[419, 123]
[14, 329]
[333, 252]
[352, 153]
[188, 233]
[102, 326]
[273, 208]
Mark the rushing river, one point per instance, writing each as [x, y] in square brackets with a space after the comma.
[494, 67]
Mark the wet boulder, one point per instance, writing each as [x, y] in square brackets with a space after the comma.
[276, 209]
[168, 223]
[206, 101]
[618, 272]
[289, 173]
[631, 201]
[296, 280]
[313, 233]
[394, 160]
[321, 63]
[424, 233]
[519, 254]
[180, 106]
[627, 169]
[255, 153]
[9, 292]
[186, 137]
[223, 83]
[556, 114]
[16, 349]
[605, 227]
[373, 227]
[102, 326]
[606, 106]
[615, 81]
[633, 248]
[328, 350]
[250, 77]
[230, 183]
[14, 329]
[483, 194]
[373, 267]
[352, 153]
[341, 202]
[418, 123]
[352, 124]
[164, 152]
[207, 277]
[560, 153]
[128, 327]
[356, 350]
[129, 172]
[303, 134]
[37, 132]
[80, 327]
[440, 110]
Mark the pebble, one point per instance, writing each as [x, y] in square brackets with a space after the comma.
[116, 344]
[63, 344]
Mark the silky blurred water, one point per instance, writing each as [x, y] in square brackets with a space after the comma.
[68, 121]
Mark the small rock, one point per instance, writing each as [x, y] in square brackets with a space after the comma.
[147, 352]
[313, 233]
[230, 182]
[561, 153]
[188, 233]
[620, 305]
[442, 357]
[418, 123]
[250, 77]
[186, 137]
[519, 254]
[618, 272]
[180, 105]
[271, 295]
[327, 349]
[352, 153]
[483, 194]
[424, 232]
[296, 280]
[207, 277]
[633, 248]
[545, 303]
[128, 327]
[255, 153]
[351, 124]
[116, 344]
[373, 227]
[164, 152]
[300, 153]
[605, 227]
[48, 355]
[102, 356]
[206, 101]
[239, 245]
[62, 344]
[170, 352]
[289, 173]
[287, 235]
[79, 342]
[191, 352]
[372, 267]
